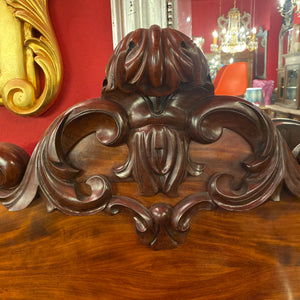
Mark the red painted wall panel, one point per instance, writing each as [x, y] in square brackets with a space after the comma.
[185, 16]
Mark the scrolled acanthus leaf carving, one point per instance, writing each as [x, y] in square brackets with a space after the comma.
[157, 120]
[262, 168]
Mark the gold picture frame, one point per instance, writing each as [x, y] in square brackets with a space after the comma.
[30, 61]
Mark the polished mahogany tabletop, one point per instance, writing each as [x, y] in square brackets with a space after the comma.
[227, 255]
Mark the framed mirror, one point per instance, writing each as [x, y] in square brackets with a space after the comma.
[261, 54]
[285, 33]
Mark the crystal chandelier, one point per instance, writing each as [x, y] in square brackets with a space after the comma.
[235, 34]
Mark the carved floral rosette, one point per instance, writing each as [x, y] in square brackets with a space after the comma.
[157, 117]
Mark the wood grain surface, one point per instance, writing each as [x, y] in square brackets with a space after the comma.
[228, 255]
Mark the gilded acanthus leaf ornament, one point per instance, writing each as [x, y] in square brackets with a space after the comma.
[29, 55]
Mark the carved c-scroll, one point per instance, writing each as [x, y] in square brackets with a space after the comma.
[28, 45]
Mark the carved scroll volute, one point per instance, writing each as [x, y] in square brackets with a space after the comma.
[28, 46]
[266, 168]
[262, 177]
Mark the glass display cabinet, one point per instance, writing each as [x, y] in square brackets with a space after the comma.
[289, 82]
[280, 85]
[291, 86]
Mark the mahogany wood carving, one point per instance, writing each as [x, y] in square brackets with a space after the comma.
[158, 144]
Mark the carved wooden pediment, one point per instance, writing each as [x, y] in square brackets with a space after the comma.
[158, 144]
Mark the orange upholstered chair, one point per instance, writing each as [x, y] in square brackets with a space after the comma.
[231, 79]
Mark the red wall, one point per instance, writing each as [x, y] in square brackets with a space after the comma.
[83, 30]
[206, 12]
[184, 16]
[296, 18]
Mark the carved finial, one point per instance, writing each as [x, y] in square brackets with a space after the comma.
[155, 61]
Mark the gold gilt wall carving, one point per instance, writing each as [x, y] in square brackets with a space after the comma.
[30, 62]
